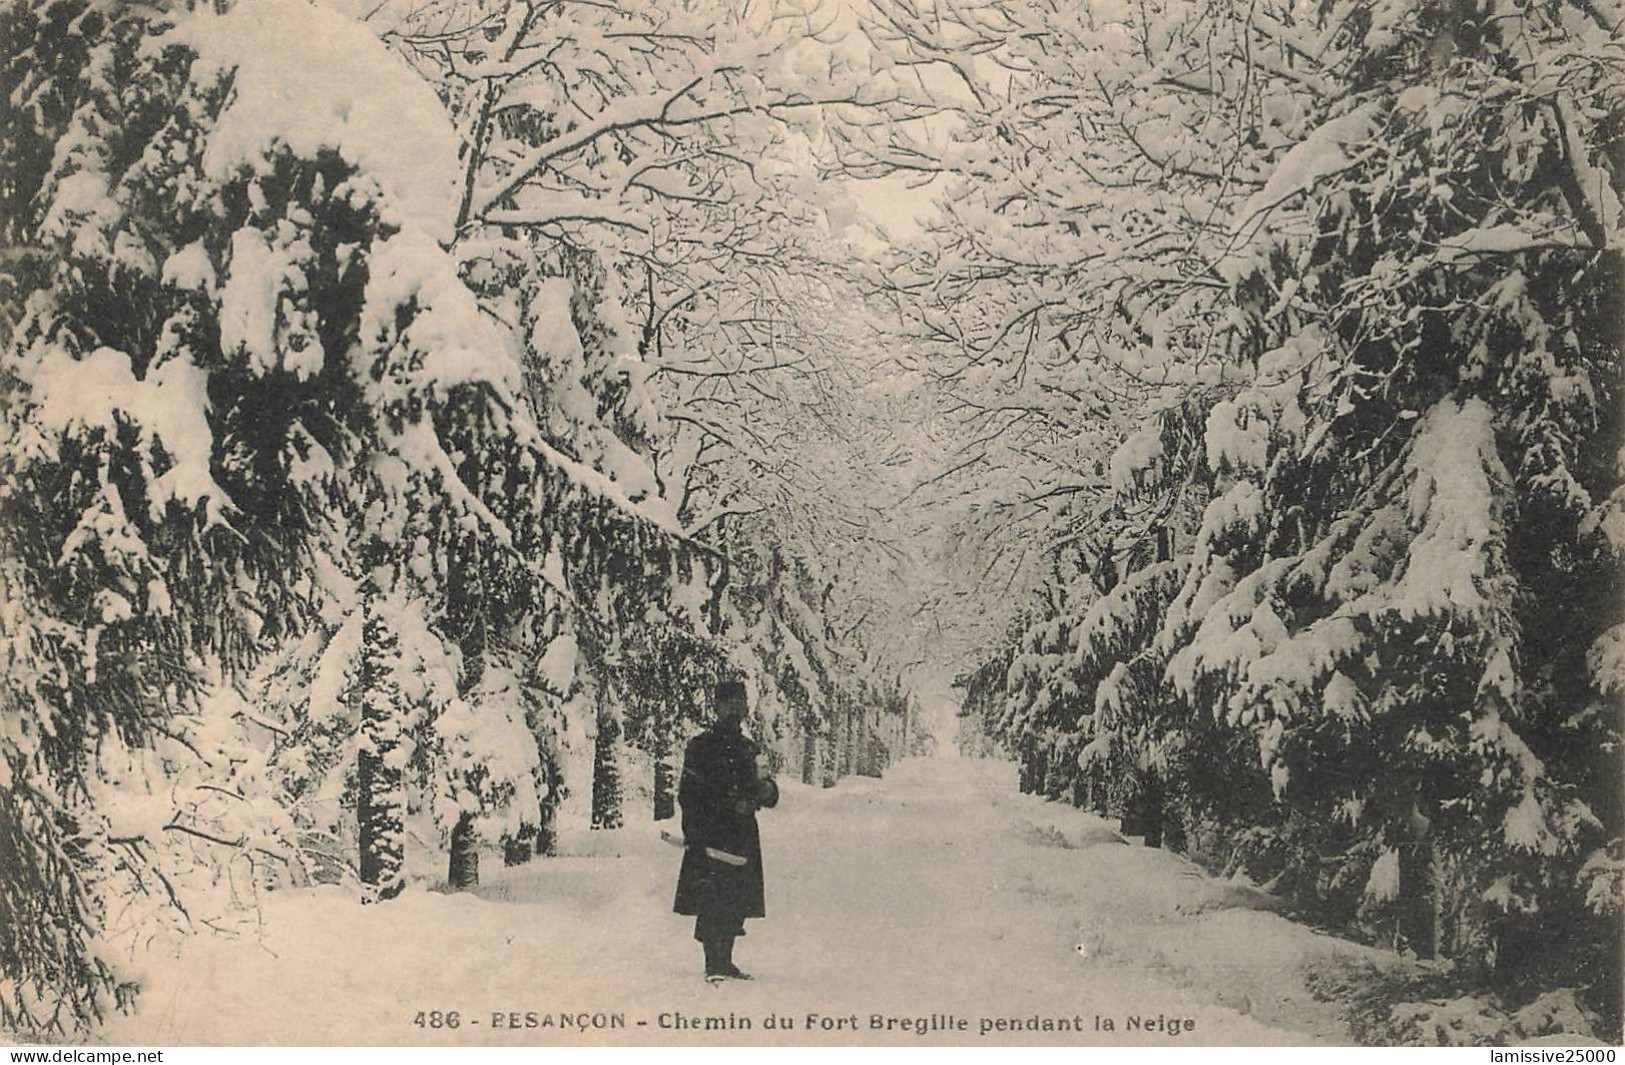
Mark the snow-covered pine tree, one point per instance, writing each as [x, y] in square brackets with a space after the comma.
[1374, 260]
[606, 763]
[1431, 423]
[132, 596]
[240, 349]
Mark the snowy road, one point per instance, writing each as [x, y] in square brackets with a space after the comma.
[938, 894]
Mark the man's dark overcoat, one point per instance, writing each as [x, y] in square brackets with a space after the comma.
[719, 773]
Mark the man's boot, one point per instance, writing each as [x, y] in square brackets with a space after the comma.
[715, 965]
[729, 969]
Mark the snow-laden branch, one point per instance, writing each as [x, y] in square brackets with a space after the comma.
[645, 111]
[626, 113]
[556, 207]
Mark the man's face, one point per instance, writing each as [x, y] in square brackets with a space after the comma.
[731, 709]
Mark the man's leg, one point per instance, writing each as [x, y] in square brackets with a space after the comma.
[713, 956]
[736, 928]
[715, 932]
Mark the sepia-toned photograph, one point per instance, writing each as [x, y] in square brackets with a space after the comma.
[835, 523]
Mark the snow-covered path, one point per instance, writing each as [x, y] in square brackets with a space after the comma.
[936, 891]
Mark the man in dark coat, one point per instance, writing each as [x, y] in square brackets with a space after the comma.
[722, 788]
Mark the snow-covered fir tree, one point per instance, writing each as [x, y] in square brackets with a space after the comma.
[239, 350]
[1343, 281]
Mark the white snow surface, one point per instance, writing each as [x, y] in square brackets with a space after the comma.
[936, 890]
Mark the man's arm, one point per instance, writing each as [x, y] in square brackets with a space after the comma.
[696, 795]
[764, 792]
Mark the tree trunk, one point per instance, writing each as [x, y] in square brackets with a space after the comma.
[520, 847]
[606, 771]
[465, 590]
[665, 797]
[1099, 795]
[827, 754]
[809, 753]
[849, 744]
[380, 828]
[872, 757]
[1464, 929]
[1054, 778]
[547, 834]
[837, 743]
[1416, 928]
[1151, 811]
[545, 839]
[464, 869]
[1174, 835]
[1024, 770]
